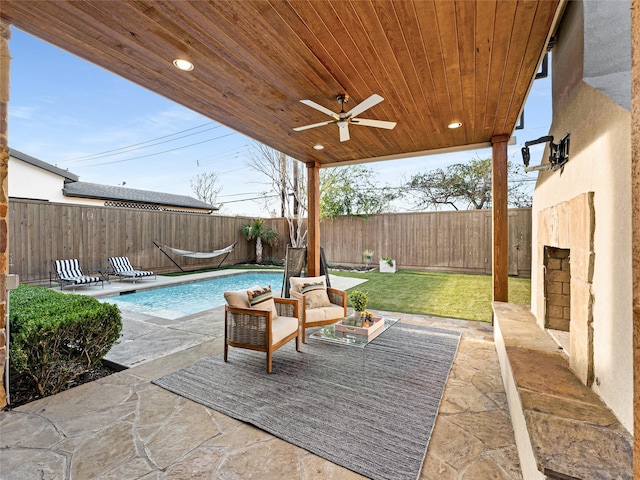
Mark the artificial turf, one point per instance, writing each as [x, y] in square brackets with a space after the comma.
[434, 293]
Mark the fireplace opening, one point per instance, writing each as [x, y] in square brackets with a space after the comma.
[557, 288]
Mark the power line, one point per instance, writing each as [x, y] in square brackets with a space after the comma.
[238, 194]
[127, 147]
[160, 153]
[248, 199]
[151, 145]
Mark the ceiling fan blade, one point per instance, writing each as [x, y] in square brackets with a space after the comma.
[365, 105]
[313, 125]
[320, 108]
[373, 123]
[344, 131]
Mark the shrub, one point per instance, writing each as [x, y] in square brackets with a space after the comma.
[359, 300]
[56, 337]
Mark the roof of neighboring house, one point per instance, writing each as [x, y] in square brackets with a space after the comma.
[44, 165]
[107, 192]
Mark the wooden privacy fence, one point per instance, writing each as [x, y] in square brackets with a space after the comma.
[457, 241]
[40, 232]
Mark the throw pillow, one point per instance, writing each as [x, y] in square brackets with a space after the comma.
[262, 299]
[297, 282]
[237, 298]
[315, 295]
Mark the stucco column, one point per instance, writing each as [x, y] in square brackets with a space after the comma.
[313, 232]
[5, 59]
[635, 230]
[500, 257]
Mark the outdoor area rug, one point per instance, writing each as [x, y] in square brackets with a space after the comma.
[370, 410]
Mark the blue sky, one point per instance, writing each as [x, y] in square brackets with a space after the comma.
[69, 112]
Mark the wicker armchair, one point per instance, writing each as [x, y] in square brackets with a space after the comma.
[312, 312]
[259, 330]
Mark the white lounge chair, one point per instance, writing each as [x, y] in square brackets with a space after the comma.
[68, 272]
[121, 266]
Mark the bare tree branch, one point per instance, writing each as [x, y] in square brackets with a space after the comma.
[204, 186]
[287, 181]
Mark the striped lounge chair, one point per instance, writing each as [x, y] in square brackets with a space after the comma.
[121, 266]
[68, 272]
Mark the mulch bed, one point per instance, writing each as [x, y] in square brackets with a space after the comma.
[22, 389]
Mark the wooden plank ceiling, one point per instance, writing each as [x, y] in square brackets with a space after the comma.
[434, 62]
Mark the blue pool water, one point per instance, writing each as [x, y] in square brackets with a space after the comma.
[188, 298]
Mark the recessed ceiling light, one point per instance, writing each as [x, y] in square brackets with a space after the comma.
[318, 147]
[455, 125]
[183, 64]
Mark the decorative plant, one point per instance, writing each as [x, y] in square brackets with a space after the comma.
[389, 260]
[257, 230]
[359, 300]
[57, 337]
[368, 256]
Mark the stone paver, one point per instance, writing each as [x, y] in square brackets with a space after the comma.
[124, 427]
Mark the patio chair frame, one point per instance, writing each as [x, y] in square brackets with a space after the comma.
[336, 297]
[252, 329]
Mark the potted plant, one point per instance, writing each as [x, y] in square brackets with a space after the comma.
[358, 300]
[387, 265]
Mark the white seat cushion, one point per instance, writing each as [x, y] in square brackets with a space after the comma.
[323, 313]
[283, 327]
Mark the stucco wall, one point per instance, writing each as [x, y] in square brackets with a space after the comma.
[28, 181]
[600, 162]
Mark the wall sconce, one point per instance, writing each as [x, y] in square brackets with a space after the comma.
[558, 153]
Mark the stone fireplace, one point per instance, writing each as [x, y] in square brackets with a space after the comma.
[564, 277]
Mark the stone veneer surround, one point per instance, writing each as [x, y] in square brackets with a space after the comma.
[571, 225]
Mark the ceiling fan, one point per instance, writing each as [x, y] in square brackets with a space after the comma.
[343, 119]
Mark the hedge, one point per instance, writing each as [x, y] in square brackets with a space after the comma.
[56, 337]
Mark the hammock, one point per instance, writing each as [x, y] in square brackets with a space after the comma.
[188, 253]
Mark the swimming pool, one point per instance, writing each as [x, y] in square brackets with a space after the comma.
[188, 298]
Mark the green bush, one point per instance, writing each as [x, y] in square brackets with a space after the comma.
[56, 337]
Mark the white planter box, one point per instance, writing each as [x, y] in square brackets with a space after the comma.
[386, 268]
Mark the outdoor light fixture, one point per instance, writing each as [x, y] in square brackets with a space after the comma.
[558, 153]
[453, 125]
[318, 147]
[182, 64]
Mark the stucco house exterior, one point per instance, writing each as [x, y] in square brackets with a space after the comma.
[584, 208]
[34, 179]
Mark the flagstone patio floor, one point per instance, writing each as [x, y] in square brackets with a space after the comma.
[124, 427]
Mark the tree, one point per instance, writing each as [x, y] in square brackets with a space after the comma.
[257, 230]
[466, 185]
[286, 180]
[204, 185]
[352, 191]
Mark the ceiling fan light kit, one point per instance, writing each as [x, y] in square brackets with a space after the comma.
[343, 119]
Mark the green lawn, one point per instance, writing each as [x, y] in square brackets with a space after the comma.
[442, 294]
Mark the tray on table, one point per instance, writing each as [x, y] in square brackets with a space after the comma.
[370, 331]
